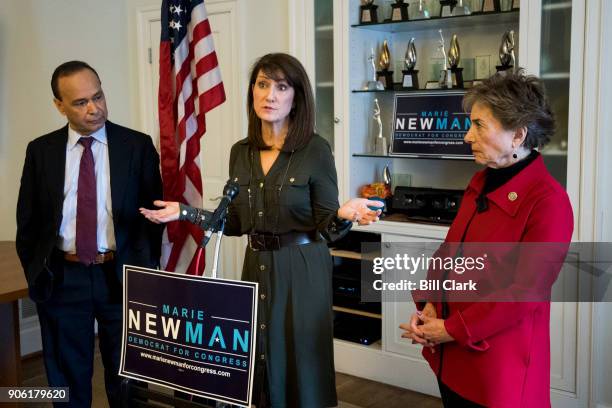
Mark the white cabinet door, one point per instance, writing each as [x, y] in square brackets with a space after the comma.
[397, 307]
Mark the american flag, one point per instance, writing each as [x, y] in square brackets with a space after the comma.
[189, 86]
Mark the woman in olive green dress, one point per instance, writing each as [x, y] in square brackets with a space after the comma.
[288, 206]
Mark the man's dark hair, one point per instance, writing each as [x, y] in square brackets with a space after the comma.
[67, 69]
[516, 100]
[301, 119]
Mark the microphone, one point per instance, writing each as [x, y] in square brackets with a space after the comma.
[230, 191]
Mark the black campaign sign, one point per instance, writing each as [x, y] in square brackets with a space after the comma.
[430, 124]
[189, 333]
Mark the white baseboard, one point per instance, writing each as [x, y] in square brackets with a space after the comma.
[30, 336]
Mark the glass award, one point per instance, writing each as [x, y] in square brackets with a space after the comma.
[384, 75]
[410, 78]
[506, 52]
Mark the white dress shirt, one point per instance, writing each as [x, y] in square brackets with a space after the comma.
[105, 229]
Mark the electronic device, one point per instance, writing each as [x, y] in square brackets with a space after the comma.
[427, 204]
[358, 329]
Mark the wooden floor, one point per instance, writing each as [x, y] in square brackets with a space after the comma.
[353, 392]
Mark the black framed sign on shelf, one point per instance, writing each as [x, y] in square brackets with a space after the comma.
[430, 124]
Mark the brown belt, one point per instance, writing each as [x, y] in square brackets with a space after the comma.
[100, 258]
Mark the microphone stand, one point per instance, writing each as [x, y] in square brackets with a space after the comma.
[218, 248]
[208, 231]
[216, 223]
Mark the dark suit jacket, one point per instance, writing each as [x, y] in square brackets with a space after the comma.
[135, 182]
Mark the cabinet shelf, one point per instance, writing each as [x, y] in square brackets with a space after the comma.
[554, 152]
[325, 84]
[345, 254]
[341, 253]
[557, 6]
[388, 156]
[400, 90]
[449, 23]
[357, 312]
[555, 75]
[353, 346]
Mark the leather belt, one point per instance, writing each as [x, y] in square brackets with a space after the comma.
[272, 242]
[100, 258]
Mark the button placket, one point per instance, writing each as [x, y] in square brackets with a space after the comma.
[262, 261]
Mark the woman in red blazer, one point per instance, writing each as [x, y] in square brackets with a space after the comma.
[497, 354]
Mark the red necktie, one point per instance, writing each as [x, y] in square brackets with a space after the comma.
[87, 215]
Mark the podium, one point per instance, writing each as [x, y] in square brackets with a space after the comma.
[181, 333]
[134, 395]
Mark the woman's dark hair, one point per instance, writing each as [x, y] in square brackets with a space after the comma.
[67, 69]
[516, 100]
[281, 66]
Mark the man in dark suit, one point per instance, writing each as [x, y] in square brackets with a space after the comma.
[78, 224]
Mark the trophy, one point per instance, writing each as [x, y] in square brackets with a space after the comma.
[461, 10]
[489, 6]
[446, 80]
[422, 13]
[380, 143]
[373, 84]
[387, 178]
[384, 61]
[410, 80]
[399, 11]
[506, 52]
[454, 56]
[367, 13]
[446, 7]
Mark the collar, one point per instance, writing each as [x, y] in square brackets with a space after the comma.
[74, 136]
[511, 195]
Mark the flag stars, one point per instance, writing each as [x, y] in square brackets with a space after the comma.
[178, 10]
[176, 25]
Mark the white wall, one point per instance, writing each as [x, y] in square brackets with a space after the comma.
[35, 37]
[38, 35]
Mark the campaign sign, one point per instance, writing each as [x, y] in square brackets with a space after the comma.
[189, 333]
[430, 124]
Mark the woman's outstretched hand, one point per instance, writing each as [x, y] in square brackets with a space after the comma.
[356, 210]
[169, 211]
